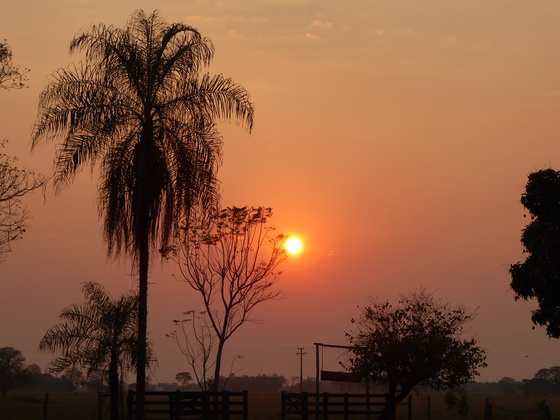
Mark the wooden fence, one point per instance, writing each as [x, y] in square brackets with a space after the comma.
[493, 412]
[307, 406]
[192, 405]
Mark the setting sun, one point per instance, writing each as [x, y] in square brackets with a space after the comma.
[293, 245]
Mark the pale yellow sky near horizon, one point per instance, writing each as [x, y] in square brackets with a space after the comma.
[395, 137]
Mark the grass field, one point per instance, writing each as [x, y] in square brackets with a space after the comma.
[266, 406]
[506, 407]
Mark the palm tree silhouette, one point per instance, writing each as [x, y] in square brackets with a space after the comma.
[100, 334]
[141, 105]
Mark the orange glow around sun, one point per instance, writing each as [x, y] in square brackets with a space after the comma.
[293, 246]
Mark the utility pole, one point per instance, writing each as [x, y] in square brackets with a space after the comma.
[301, 353]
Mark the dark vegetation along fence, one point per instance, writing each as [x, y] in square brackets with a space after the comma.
[181, 405]
[307, 406]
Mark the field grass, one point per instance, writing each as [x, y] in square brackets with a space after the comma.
[61, 406]
[266, 406]
[506, 407]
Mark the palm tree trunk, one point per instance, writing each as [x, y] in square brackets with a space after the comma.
[142, 242]
[114, 389]
[142, 327]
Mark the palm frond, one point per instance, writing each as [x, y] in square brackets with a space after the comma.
[91, 332]
[141, 88]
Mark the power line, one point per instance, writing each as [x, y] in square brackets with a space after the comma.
[265, 348]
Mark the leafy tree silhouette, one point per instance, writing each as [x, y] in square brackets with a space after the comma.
[538, 277]
[414, 343]
[13, 370]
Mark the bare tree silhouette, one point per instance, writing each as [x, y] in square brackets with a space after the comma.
[195, 341]
[11, 76]
[232, 264]
[14, 182]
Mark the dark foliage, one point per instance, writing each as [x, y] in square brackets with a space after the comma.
[99, 335]
[416, 343]
[259, 383]
[509, 385]
[13, 372]
[538, 277]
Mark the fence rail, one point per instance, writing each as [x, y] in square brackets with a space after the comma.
[181, 405]
[308, 406]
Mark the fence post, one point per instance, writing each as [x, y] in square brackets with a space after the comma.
[225, 405]
[45, 405]
[122, 403]
[245, 405]
[346, 408]
[325, 405]
[99, 406]
[174, 405]
[410, 407]
[205, 405]
[130, 403]
[283, 405]
[368, 400]
[487, 410]
[546, 410]
[429, 408]
[304, 406]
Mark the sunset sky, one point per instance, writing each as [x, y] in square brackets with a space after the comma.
[393, 137]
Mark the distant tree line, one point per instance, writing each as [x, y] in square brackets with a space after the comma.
[16, 376]
[545, 382]
[260, 383]
[46, 382]
[265, 383]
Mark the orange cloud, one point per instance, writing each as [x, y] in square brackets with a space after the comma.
[320, 24]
